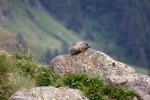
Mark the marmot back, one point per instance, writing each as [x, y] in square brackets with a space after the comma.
[78, 47]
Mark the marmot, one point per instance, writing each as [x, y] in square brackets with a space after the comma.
[78, 47]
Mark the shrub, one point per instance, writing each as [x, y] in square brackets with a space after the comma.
[119, 93]
[5, 64]
[44, 79]
[6, 89]
[95, 82]
[22, 81]
[94, 87]
[21, 69]
[26, 64]
[75, 80]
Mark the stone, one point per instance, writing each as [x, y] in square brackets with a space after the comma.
[48, 93]
[140, 84]
[95, 63]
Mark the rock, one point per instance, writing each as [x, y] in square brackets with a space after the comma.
[112, 72]
[141, 84]
[95, 63]
[48, 93]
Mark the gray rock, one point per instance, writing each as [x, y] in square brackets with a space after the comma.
[141, 84]
[112, 72]
[95, 63]
[48, 93]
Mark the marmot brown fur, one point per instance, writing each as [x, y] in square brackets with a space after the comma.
[78, 47]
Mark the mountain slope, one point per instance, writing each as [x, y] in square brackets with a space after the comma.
[37, 26]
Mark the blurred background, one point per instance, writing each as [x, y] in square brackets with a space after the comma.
[119, 28]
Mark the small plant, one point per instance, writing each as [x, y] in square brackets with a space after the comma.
[5, 64]
[94, 87]
[93, 82]
[45, 79]
[119, 93]
[75, 80]
[95, 95]
[26, 64]
[6, 89]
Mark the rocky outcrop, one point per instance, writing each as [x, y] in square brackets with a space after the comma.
[93, 62]
[112, 72]
[139, 83]
[48, 93]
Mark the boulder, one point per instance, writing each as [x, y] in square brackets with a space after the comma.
[95, 63]
[139, 83]
[48, 93]
[111, 71]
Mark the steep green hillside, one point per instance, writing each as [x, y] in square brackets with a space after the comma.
[37, 26]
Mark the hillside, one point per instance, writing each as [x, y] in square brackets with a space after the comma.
[120, 29]
[39, 28]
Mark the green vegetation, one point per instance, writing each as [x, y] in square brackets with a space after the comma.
[5, 68]
[93, 87]
[20, 71]
[44, 79]
[37, 27]
[17, 72]
[141, 70]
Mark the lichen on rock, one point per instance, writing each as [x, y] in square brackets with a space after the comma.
[93, 62]
[48, 93]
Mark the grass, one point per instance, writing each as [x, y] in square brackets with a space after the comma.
[92, 86]
[141, 70]
[45, 30]
[19, 72]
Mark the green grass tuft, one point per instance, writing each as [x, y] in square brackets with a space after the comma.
[92, 87]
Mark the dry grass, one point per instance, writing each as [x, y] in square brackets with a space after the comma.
[7, 42]
[12, 44]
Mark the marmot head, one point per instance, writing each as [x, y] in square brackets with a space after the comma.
[84, 45]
